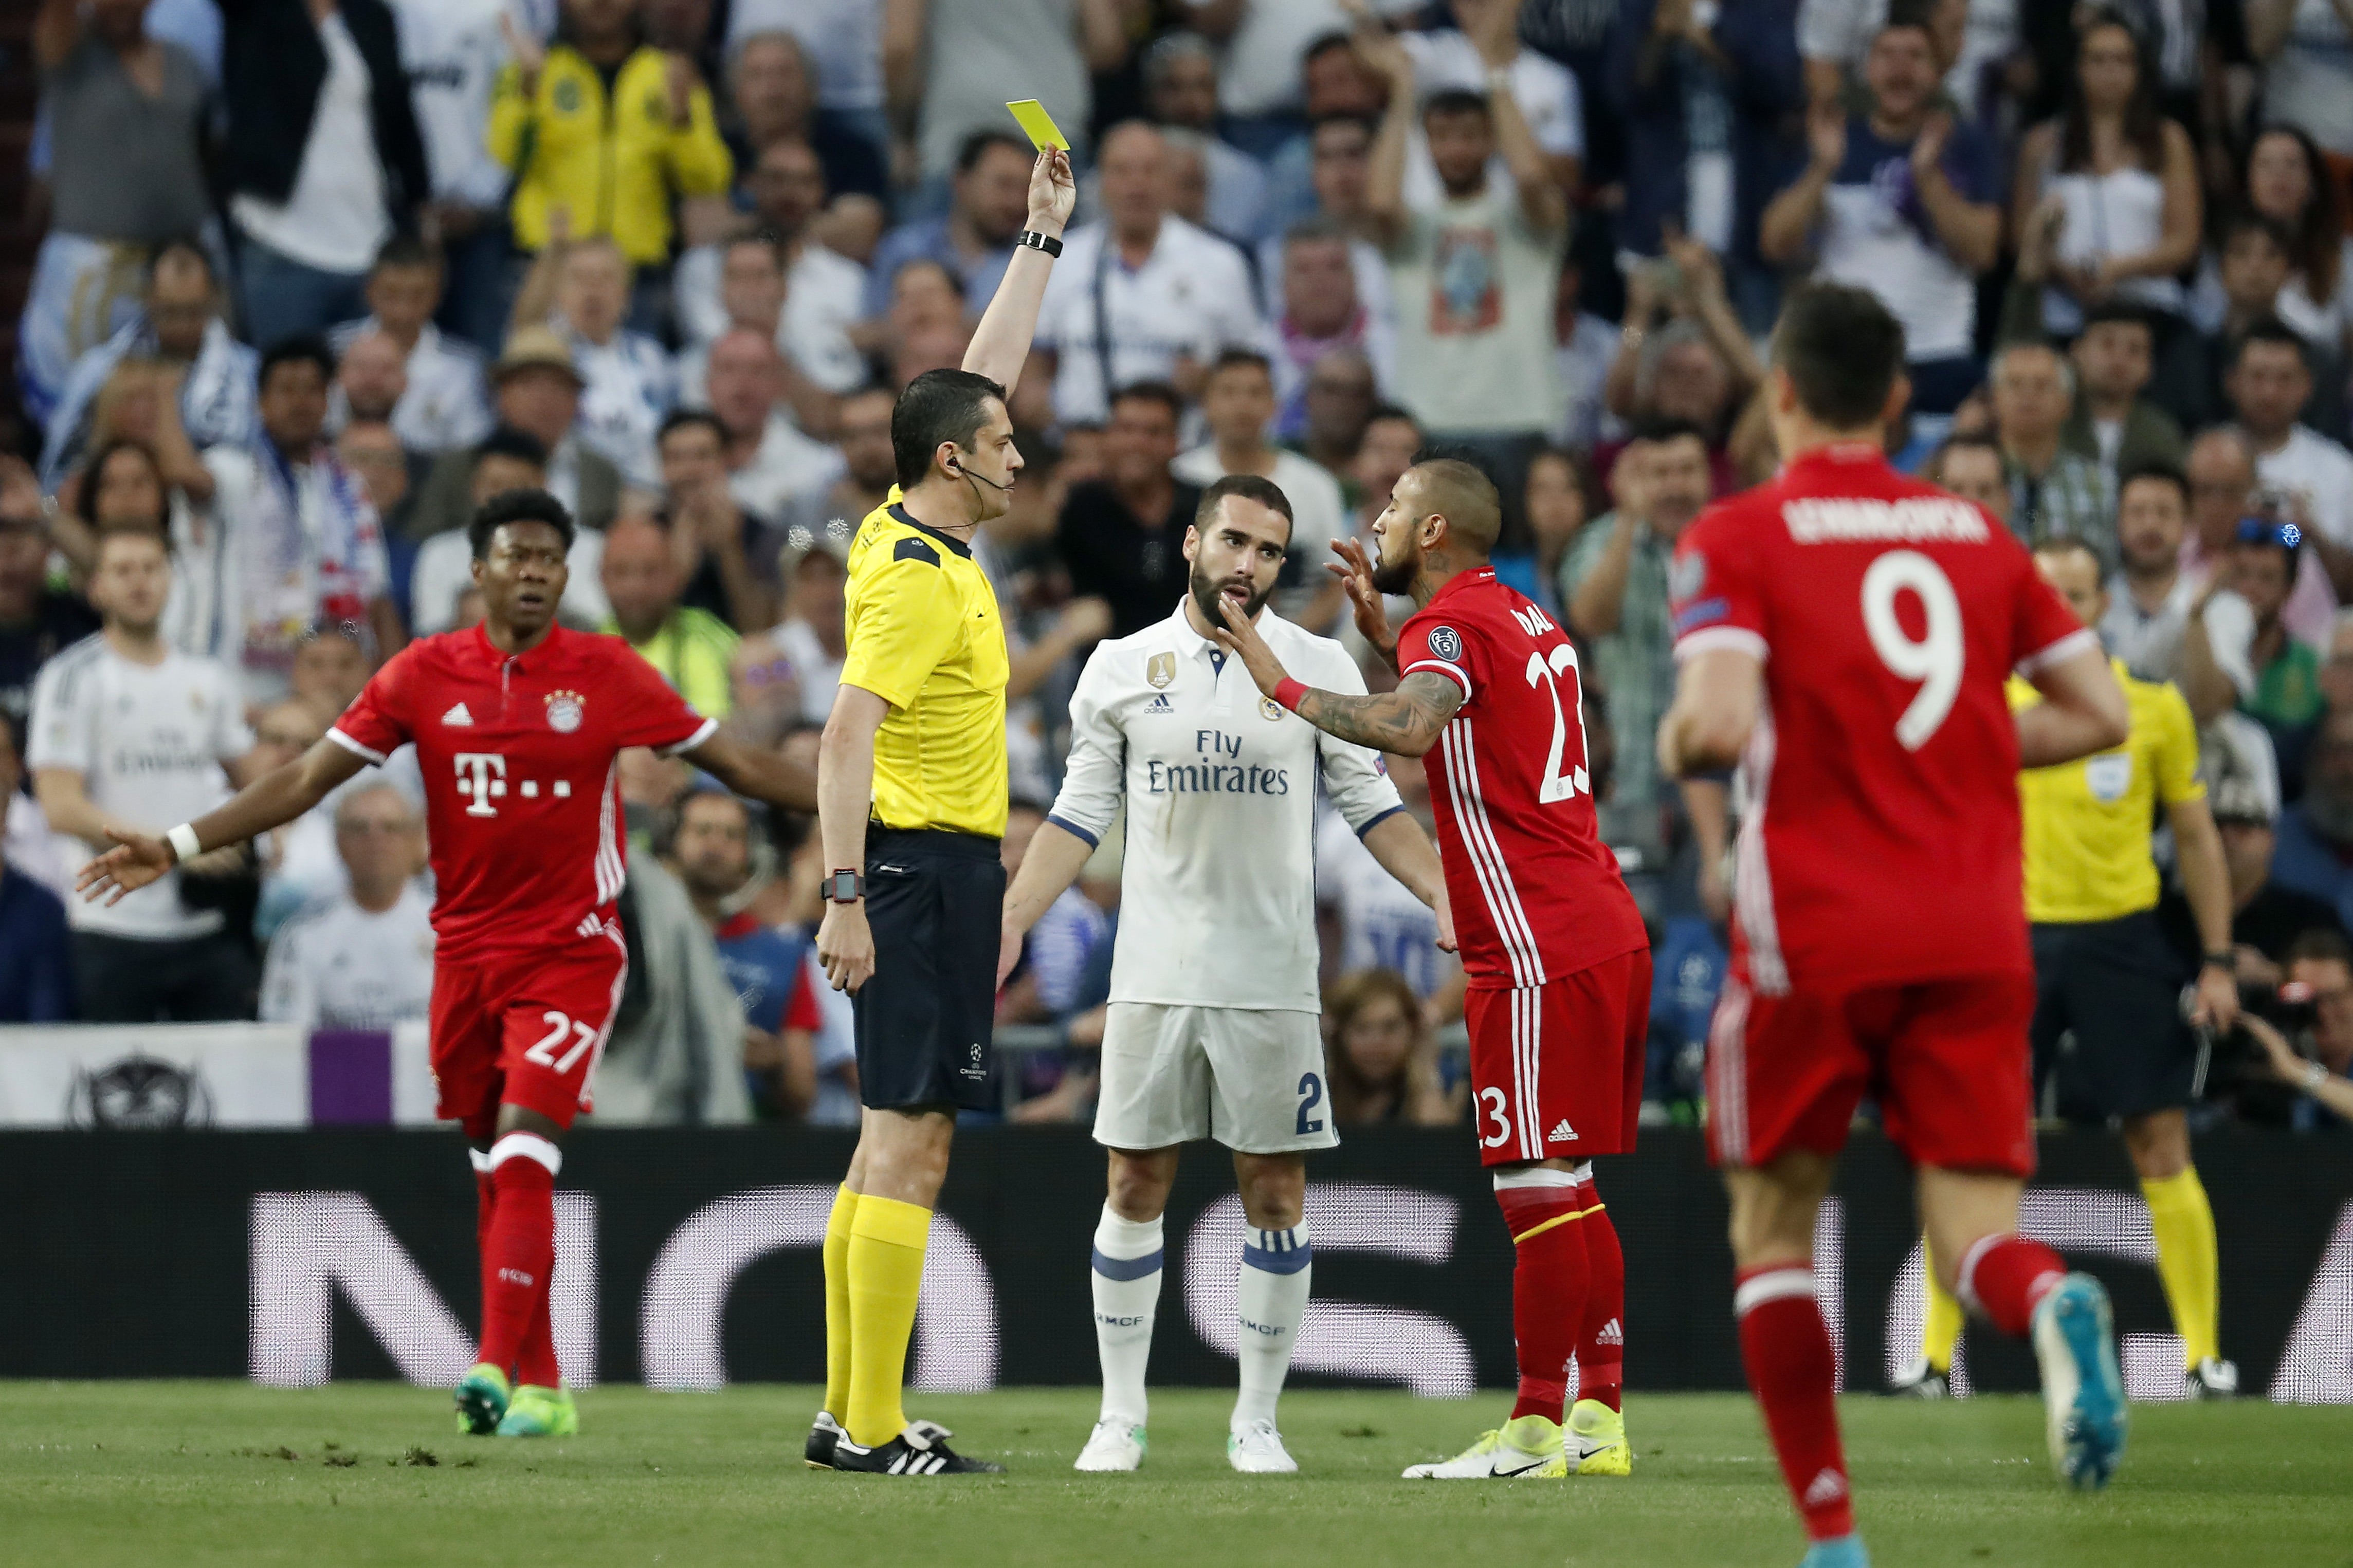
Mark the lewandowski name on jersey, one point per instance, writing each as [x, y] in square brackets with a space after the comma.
[518, 751]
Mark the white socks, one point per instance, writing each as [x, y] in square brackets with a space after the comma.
[1127, 1292]
[1276, 1269]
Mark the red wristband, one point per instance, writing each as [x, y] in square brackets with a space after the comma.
[1289, 692]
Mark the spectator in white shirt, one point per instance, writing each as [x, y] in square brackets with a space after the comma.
[2270, 382]
[1482, 57]
[1340, 154]
[454, 53]
[1475, 270]
[580, 288]
[363, 958]
[825, 292]
[2164, 625]
[752, 291]
[1141, 295]
[947, 61]
[128, 731]
[369, 380]
[1180, 85]
[442, 404]
[1238, 405]
[1320, 310]
[508, 459]
[770, 463]
[2221, 471]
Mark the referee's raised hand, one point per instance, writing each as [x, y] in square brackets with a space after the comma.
[1053, 190]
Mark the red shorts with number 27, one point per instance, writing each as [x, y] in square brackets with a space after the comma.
[1556, 1068]
[524, 1029]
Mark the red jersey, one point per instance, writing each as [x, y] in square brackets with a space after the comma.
[522, 803]
[1536, 894]
[1879, 842]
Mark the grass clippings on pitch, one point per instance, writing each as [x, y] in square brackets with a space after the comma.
[97, 1475]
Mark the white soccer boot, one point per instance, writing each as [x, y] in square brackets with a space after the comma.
[1115, 1444]
[1519, 1447]
[1257, 1450]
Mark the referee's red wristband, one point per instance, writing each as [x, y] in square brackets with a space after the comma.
[1289, 693]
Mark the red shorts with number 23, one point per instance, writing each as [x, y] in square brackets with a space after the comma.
[524, 1028]
[1556, 1068]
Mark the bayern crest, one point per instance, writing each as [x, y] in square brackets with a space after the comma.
[563, 711]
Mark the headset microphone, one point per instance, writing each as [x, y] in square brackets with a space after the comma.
[963, 473]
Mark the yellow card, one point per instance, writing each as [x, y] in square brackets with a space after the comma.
[1043, 132]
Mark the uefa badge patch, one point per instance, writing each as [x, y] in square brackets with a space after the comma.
[563, 711]
[1445, 644]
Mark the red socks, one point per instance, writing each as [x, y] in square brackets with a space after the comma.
[2005, 1277]
[519, 1253]
[1601, 1347]
[1548, 1282]
[1787, 1348]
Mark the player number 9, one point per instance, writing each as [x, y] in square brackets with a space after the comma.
[1934, 660]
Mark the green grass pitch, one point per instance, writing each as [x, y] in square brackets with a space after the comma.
[100, 1474]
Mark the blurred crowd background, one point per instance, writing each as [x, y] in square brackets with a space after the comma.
[303, 280]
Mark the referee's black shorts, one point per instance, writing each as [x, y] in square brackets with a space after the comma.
[936, 902]
[2107, 1019]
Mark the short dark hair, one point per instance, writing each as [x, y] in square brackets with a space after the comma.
[1323, 43]
[1158, 392]
[407, 250]
[2069, 544]
[681, 418]
[1250, 487]
[85, 505]
[2154, 470]
[507, 441]
[161, 538]
[1391, 411]
[1457, 100]
[2270, 329]
[1935, 466]
[766, 238]
[2113, 313]
[2247, 220]
[1343, 117]
[2321, 944]
[1920, 14]
[938, 405]
[975, 147]
[1229, 358]
[517, 506]
[1843, 350]
[1657, 429]
[301, 347]
[1459, 490]
[186, 245]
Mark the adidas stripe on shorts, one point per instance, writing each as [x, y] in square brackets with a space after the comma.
[1556, 1068]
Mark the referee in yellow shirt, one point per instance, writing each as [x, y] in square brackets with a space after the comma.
[911, 805]
[2105, 974]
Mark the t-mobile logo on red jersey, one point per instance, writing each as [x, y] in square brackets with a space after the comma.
[482, 778]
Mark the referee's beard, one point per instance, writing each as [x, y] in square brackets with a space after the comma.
[1209, 598]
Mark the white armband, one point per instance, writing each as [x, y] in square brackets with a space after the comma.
[183, 840]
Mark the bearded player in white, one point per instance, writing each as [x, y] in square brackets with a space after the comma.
[1214, 1028]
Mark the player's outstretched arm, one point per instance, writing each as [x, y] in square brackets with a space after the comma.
[786, 784]
[1716, 696]
[274, 799]
[2083, 711]
[1055, 857]
[1407, 721]
[1406, 853]
[1000, 344]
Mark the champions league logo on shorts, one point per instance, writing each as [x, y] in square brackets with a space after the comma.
[139, 1092]
[564, 710]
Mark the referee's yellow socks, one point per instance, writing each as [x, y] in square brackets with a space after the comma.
[836, 1301]
[1940, 1324]
[2186, 1260]
[886, 1269]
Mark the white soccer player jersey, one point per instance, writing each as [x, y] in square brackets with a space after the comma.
[1218, 885]
[336, 966]
[149, 740]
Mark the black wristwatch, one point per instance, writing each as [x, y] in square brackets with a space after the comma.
[845, 888]
[2226, 961]
[1036, 241]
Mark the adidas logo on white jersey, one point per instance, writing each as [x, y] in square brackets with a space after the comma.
[459, 716]
[1160, 704]
[1562, 1132]
[1610, 1334]
[1828, 1486]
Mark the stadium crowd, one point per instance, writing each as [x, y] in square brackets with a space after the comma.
[322, 275]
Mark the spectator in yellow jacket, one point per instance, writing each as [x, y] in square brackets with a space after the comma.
[605, 128]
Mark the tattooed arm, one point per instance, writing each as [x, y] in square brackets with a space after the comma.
[1408, 720]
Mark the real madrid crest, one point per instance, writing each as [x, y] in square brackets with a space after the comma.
[1269, 709]
[563, 711]
[1160, 669]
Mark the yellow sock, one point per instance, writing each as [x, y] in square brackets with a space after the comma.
[1940, 1324]
[2185, 1261]
[836, 1301]
[886, 1269]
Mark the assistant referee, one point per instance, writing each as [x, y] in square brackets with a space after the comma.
[911, 804]
[2107, 984]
